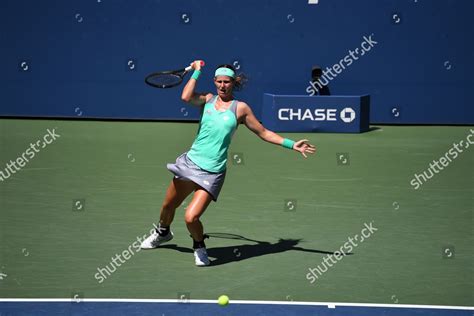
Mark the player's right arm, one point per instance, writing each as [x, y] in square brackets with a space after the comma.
[189, 95]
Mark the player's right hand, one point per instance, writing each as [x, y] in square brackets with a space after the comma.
[197, 64]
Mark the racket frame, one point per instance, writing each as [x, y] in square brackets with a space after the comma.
[180, 73]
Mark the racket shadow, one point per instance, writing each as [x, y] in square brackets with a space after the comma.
[235, 253]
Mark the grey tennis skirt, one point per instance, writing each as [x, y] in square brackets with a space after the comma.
[185, 169]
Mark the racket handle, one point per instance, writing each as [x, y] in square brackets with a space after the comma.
[189, 68]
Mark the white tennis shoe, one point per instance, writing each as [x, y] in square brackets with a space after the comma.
[200, 257]
[155, 240]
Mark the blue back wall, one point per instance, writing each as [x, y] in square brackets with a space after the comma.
[88, 58]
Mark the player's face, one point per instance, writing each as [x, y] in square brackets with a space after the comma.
[224, 85]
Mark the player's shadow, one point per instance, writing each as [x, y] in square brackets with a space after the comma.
[223, 255]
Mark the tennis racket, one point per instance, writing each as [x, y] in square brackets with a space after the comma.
[168, 79]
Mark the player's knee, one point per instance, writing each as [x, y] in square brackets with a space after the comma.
[190, 218]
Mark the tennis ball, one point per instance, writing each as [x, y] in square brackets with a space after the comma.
[223, 300]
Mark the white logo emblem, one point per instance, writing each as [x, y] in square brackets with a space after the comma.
[206, 182]
[226, 118]
[347, 115]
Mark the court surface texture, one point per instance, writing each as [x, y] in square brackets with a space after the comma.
[97, 188]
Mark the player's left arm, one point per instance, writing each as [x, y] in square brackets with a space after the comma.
[249, 119]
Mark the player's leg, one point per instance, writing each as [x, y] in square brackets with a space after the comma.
[177, 191]
[195, 209]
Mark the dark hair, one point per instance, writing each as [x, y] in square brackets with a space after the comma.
[239, 81]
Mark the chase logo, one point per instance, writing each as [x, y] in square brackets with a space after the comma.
[347, 115]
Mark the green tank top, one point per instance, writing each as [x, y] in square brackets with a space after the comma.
[216, 128]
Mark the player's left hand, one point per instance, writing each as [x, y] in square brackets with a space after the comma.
[304, 147]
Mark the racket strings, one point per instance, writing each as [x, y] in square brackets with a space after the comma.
[165, 79]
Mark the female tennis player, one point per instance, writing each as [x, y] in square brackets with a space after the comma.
[203, 168]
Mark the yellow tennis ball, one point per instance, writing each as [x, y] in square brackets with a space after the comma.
[223, 300]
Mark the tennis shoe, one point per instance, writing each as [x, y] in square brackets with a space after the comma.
[200, 257]
[155, 240]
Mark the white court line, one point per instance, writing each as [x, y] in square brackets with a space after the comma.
[126, 300]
